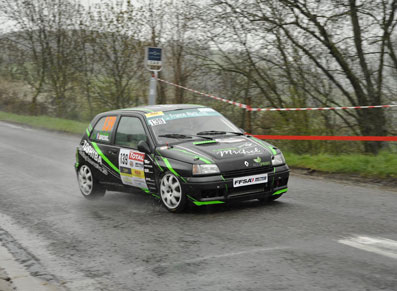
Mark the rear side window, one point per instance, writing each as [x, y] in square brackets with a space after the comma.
[130, 132]
[103, 130]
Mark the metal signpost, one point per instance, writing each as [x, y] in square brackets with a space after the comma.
[153, 62]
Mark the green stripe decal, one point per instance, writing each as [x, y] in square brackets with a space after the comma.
[195, 156]
[98, 150]
[155, 160]
[266, 146]
[158, 165]
[90, 127]
[226, 188]
[205, 141]
[280, 192]
[207, 202]
[147, 191]
[88, 133]
[198, 203]
[167, 163]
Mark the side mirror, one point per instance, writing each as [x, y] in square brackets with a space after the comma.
[242, 130]
[143, 147]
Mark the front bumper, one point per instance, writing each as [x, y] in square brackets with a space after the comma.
[218, 189]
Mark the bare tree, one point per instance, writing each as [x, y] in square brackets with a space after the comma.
[347, 41]
[44, 33]
[119, 52]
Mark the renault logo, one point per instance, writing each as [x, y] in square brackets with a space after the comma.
[246, 164]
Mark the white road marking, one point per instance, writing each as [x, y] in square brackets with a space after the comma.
[201, 259]
[71, 277]
[378, 245]
[233, 254]
[15, 126]
[20, 277]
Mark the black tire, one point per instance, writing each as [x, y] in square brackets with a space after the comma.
[171, 193]
[89, 186]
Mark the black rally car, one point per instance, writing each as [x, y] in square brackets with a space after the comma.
[177, 153]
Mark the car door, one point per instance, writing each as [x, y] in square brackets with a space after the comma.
[136, 168]
[101, 139]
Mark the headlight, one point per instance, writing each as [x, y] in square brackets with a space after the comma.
[205, 169]
[278, 159]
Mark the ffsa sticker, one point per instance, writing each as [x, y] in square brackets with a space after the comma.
[131, 168]
[250, 180]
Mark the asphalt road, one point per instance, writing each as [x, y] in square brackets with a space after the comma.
[322, 235]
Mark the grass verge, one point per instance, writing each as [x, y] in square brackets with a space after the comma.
[46, 122]
[384, 165]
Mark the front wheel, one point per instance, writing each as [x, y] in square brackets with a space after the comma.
[171, 193]
[89, 187]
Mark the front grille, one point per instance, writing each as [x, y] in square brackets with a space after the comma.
[246, 190]
[246, 172]
[212, 193]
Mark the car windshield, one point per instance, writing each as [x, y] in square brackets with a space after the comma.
[198, 123]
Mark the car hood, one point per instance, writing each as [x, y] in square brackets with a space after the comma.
[228, 152]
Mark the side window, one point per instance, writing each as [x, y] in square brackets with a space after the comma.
[103, 130]
[130, 132]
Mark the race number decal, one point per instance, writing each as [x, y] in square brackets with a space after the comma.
[109, 123]
[157, 121]
[131, 168]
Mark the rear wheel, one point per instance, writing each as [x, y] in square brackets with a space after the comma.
[89, 187]
[172, 194]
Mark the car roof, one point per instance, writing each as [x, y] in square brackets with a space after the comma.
[154, 108]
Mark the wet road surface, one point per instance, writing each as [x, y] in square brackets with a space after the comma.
[321, 235]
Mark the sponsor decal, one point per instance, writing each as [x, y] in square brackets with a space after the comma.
[237, 151]
[100, 168]
[136, 156]
[246, 163]
[157, 121]
[104, 136]
[188, 113]
[153, 114]
[89, 150]
[250, 180]
[147, 161]
[258, 162]
[124, 170]
[131, 168]
[247, 149]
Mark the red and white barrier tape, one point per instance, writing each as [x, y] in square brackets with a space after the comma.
[249, 108]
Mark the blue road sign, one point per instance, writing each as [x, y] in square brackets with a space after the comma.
[154, 54]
